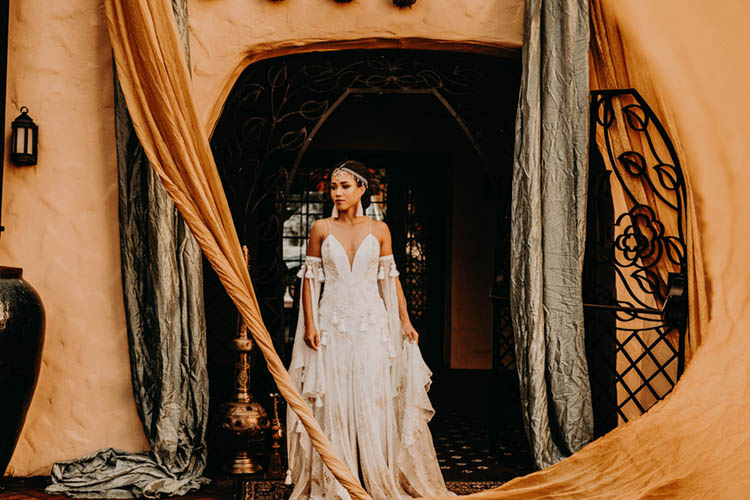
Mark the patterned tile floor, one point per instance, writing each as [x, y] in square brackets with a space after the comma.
[464, 452]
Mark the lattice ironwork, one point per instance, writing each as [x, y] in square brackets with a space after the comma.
[635, 268]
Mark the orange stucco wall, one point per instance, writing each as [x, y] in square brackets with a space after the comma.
[61, 215]
[61, 227]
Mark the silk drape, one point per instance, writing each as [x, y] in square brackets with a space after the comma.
[548, 229]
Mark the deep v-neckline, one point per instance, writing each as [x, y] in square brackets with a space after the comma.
[356, 252]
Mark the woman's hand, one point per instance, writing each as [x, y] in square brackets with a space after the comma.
[410, 333]
[312, 339]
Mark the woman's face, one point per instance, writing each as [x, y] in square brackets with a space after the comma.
[345, 192]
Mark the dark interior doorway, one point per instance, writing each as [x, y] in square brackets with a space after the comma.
[429, 125]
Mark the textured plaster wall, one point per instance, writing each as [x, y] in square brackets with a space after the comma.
[61, 215]
[61, 227]
[226, 35]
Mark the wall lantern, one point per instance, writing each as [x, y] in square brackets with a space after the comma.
[23, 142]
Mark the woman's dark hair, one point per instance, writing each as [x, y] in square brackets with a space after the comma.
[362, 170]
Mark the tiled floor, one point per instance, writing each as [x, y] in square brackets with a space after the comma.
[464, 453]
[460, 430]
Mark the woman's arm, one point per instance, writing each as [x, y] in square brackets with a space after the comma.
[386, 248]
[312, 338]
[403, 314]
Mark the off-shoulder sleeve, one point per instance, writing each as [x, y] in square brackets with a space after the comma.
[387, 273]
[306, 368]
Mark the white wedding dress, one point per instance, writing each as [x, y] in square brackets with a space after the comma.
[367, 385]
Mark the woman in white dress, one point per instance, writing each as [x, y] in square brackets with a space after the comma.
[356, 359]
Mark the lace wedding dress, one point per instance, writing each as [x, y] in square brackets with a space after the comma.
[367, 385]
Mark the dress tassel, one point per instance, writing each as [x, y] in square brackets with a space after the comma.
[394, 272]
[321, 275]
[301, 271]
[309, 274]
[381, 273]
[391, 350]
[318, 402]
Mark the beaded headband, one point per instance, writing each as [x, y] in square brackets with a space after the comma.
[354, 174]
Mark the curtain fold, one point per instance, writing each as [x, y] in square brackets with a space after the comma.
[548, 229]
[154, 78]
[163, 297]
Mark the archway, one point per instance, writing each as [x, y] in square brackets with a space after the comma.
[285, 120]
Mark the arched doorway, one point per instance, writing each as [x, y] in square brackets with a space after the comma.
[437, 130]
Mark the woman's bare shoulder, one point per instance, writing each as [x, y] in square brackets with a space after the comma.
[380, 227]
[319, 228]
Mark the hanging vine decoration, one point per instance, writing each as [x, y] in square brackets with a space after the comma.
[404, 3]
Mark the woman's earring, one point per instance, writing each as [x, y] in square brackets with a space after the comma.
[335, 212]
[360, 210]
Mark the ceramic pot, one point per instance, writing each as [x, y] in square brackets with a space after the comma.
[21, 339]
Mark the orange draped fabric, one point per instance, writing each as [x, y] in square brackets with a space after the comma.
[155, 81]
[687, 59]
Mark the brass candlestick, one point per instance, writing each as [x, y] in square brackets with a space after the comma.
[243, 420]
[275, 462]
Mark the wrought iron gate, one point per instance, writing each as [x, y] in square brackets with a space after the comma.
[634, 283]
[635, 271]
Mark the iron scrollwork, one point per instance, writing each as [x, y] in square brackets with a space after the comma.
[636, 263]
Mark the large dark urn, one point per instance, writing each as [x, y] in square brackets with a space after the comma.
[21, 339]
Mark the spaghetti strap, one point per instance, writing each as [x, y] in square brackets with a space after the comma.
[328, 220]
[369, 230]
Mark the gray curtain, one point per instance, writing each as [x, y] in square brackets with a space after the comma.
[163, 293]
[548, 229]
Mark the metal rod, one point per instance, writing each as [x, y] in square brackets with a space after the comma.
[636, 310]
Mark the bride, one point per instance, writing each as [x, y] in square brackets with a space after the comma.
[356, 360]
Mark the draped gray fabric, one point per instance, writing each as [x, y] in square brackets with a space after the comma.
[163, 293]
[548, 229]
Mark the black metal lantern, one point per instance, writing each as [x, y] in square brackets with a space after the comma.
[24, 136]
